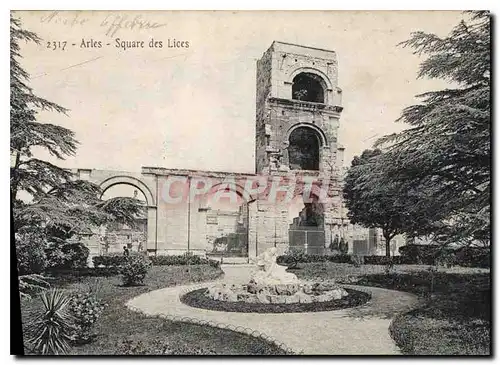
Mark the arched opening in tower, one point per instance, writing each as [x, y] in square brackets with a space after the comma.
[303, 150]
[308, 87]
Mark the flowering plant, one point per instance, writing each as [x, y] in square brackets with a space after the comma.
[86, 308]
[134, 269]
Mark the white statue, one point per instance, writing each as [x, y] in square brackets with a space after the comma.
[269, 272]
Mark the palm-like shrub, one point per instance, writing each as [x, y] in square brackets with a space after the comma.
[50, 331]
[32, 283]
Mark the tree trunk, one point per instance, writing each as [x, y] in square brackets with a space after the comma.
[388, 238]
[15, 176]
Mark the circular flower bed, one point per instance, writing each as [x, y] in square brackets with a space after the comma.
[253, 292]
[201, 299]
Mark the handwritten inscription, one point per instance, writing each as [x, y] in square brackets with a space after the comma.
[116, 22]
[112, 23]
[70, 19]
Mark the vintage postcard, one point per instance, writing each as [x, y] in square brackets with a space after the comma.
[250, 182]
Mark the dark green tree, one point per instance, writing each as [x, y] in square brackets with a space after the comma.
[59, 204]
[59, 201]
[376, 200]
[446, 149]
[369, 203]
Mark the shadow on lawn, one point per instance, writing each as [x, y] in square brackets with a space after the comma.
[444, 295]
[454, 297]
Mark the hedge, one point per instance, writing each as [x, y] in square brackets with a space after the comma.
[465, 256]
[304, 258]
[84, 271]
[384, 260]
[182, 260]
[435, 254]
[186, 259]
[473, 257]
[424, 254]
[108, 260]
[341, 259]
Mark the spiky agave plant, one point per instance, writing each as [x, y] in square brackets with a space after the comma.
[51, 329]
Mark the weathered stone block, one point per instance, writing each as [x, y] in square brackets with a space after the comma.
[323, 298]
[252, 299]
[280, 299]
[272, 289]
[232, 297]
[326, 286]
[336, 294]
[263, 298]
[252, 287]
[243, 297]
[294, 288]
[304, 298]
[307, 289]
[287, 289]
[281, 289]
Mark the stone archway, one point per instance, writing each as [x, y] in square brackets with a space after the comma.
[129, 180]
[226, 210]
[151, 206]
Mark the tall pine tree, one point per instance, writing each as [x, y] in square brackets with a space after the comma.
[60, 206]
[446, 148]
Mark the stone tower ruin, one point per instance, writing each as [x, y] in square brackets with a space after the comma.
[298, 106]
[297, 99]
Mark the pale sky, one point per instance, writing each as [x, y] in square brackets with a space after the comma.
[194, 108]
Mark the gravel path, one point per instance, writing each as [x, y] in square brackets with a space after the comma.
[356, 331]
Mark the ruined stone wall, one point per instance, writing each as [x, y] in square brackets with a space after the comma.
[270, 219]
[183, 226]
[263, 91]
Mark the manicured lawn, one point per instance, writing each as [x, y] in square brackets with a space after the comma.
[119, 324]
[453, 317]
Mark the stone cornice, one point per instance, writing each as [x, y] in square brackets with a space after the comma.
[306, 105]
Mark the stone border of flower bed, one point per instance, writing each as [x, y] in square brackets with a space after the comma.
[239, 329]
[197, 298]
